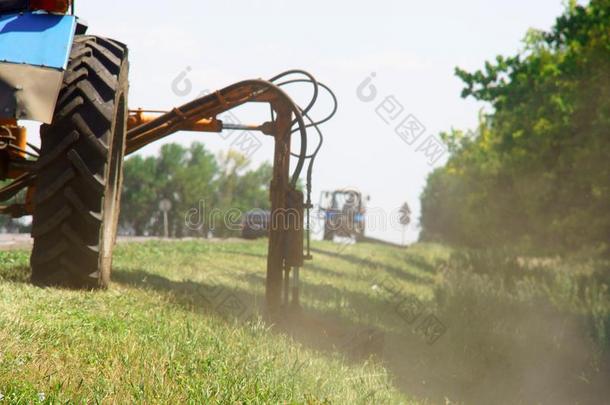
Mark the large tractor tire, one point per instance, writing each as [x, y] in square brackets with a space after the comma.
[78, 189]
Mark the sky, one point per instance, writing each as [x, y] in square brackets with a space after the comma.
[180, 49]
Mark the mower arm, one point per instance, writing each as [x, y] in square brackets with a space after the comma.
[285, 252]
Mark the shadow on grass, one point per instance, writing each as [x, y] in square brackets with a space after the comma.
[229, 303]
[369, 262]
[327, 330]
[17, 274]
[324, 331]
[247, 254]
[493, 352]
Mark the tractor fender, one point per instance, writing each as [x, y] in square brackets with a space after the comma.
[34, 52]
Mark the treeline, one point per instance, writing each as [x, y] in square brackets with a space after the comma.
[203, 190]
[536, 174]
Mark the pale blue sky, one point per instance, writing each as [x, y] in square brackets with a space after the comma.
[412, 46]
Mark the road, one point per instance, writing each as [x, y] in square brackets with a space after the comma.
[13, 241]
[16, 241]
[10, 241]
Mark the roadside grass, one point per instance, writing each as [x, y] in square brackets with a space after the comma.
[530, 330]
[158, 336]
[428, 324]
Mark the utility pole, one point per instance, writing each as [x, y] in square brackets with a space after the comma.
[165, 206]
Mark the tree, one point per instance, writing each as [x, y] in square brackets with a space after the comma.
[536, 172]
[197, 185]
[192, 179]
[139, 199]
[239, 190]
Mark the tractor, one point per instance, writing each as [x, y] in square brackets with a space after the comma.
[77, 86]
[343, 212]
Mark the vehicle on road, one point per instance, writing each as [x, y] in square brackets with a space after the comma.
[343, 212]
[255, 224]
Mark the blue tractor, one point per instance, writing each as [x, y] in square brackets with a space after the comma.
[76, 86]
[343, 212]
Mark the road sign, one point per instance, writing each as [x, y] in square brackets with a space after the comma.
[405, 214]
[165, 205]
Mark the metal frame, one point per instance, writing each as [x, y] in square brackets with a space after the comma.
[285, 251]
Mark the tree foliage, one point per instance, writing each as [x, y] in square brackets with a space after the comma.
[194, 180]
[536, 173]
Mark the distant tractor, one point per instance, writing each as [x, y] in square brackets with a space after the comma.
[343, 213]
[77, 85]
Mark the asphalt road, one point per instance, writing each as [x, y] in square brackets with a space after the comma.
[13, 241]
[10, 241]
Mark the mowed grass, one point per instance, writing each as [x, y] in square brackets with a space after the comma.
[183, 323]
[161, 334]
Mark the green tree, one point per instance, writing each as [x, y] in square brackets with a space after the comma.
[197, 185]
[239, 190]
[536, 172]
[192, 179]
[139, 198]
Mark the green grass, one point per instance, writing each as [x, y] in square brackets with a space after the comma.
[157, 336]
[183, 323]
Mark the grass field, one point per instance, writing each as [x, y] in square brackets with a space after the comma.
[182, 324]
